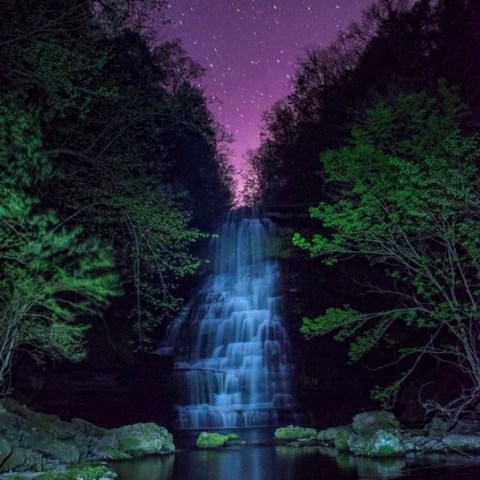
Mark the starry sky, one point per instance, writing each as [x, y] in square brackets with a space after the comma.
[249, 49]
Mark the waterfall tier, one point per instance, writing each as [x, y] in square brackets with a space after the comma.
[231, 350]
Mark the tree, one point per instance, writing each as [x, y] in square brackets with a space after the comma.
[130, 139]
[407, 198]
[50, 275]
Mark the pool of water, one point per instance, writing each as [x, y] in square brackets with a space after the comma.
[261, 461]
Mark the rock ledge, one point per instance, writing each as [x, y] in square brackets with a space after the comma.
[378, 434]
[32, 441]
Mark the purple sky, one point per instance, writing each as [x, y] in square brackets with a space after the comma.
[250, 48]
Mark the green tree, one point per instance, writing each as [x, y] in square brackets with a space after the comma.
[49, 275]
[407, 198]
[130, 139]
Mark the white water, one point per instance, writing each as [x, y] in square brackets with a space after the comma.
[230, 346]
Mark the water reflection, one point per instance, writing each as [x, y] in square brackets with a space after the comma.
[368, 468]
[251, 463]
[149, 468]
[288, 463]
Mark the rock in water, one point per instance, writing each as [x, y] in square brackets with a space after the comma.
[135, 440]
[29, 440]
[367, 423]
[211, 440]
[334, 437]
[292, 432]
[462, 443]
[382, 443]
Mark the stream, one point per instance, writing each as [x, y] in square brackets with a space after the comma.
[261, 460]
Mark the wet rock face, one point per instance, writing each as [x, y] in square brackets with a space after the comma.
[378, 434]
[462, 443]
[136, 440]
[367, 423]
[333, 435]
[31, 440]
[382, 443]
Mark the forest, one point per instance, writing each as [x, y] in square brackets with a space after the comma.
[113, 172]
[378, 141]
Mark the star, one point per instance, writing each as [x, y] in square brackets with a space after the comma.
[236, 40]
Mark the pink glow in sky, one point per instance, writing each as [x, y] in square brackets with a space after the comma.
[250, 49]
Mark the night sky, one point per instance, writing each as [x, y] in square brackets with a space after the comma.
[250, 48]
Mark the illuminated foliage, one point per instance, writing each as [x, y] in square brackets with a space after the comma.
[132, 146]
[49, 275]
[408, 199]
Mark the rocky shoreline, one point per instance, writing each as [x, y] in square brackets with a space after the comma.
[42, 446]
[378, 434]
[37, 442]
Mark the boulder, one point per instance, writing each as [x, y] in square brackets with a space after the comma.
[341, 440]
[367, 423]
[211, 440]
[234, 439]
[382, 443]
[50, 447]
[5, 451]
[22, 460]
[29, 440]
[335, 437]
[292, 433]
[463, 443]
[135, 440]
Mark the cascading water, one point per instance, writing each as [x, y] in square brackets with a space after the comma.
[231, 350]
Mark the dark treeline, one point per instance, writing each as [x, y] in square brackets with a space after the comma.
[378, 141]
[399, 46]
[112, 167]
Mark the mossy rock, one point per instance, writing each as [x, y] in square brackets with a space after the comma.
[5, 451]
[80, 472]
[333, 435]
[137, 440]
[291, 432]
[211, 440]
[341, 439]
[23, 460]
[233, 439]
[383, 443]
[366, 423]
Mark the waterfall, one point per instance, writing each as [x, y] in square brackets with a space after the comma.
[230, 347]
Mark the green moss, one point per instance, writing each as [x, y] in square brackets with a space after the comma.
[387, 451]
[341, 440]
[211, 440]
[78, 472]
[292, 432]
[129, 443]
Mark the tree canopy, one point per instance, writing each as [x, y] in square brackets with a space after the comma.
[110, 132]
[407, 199]
[379, 133]
[399, 46]
[50, 274]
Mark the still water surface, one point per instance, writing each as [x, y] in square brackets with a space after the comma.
[269, 462]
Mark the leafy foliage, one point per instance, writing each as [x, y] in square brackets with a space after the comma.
[49, 275]
[399, 46]
[408, 201]
[119, 120]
